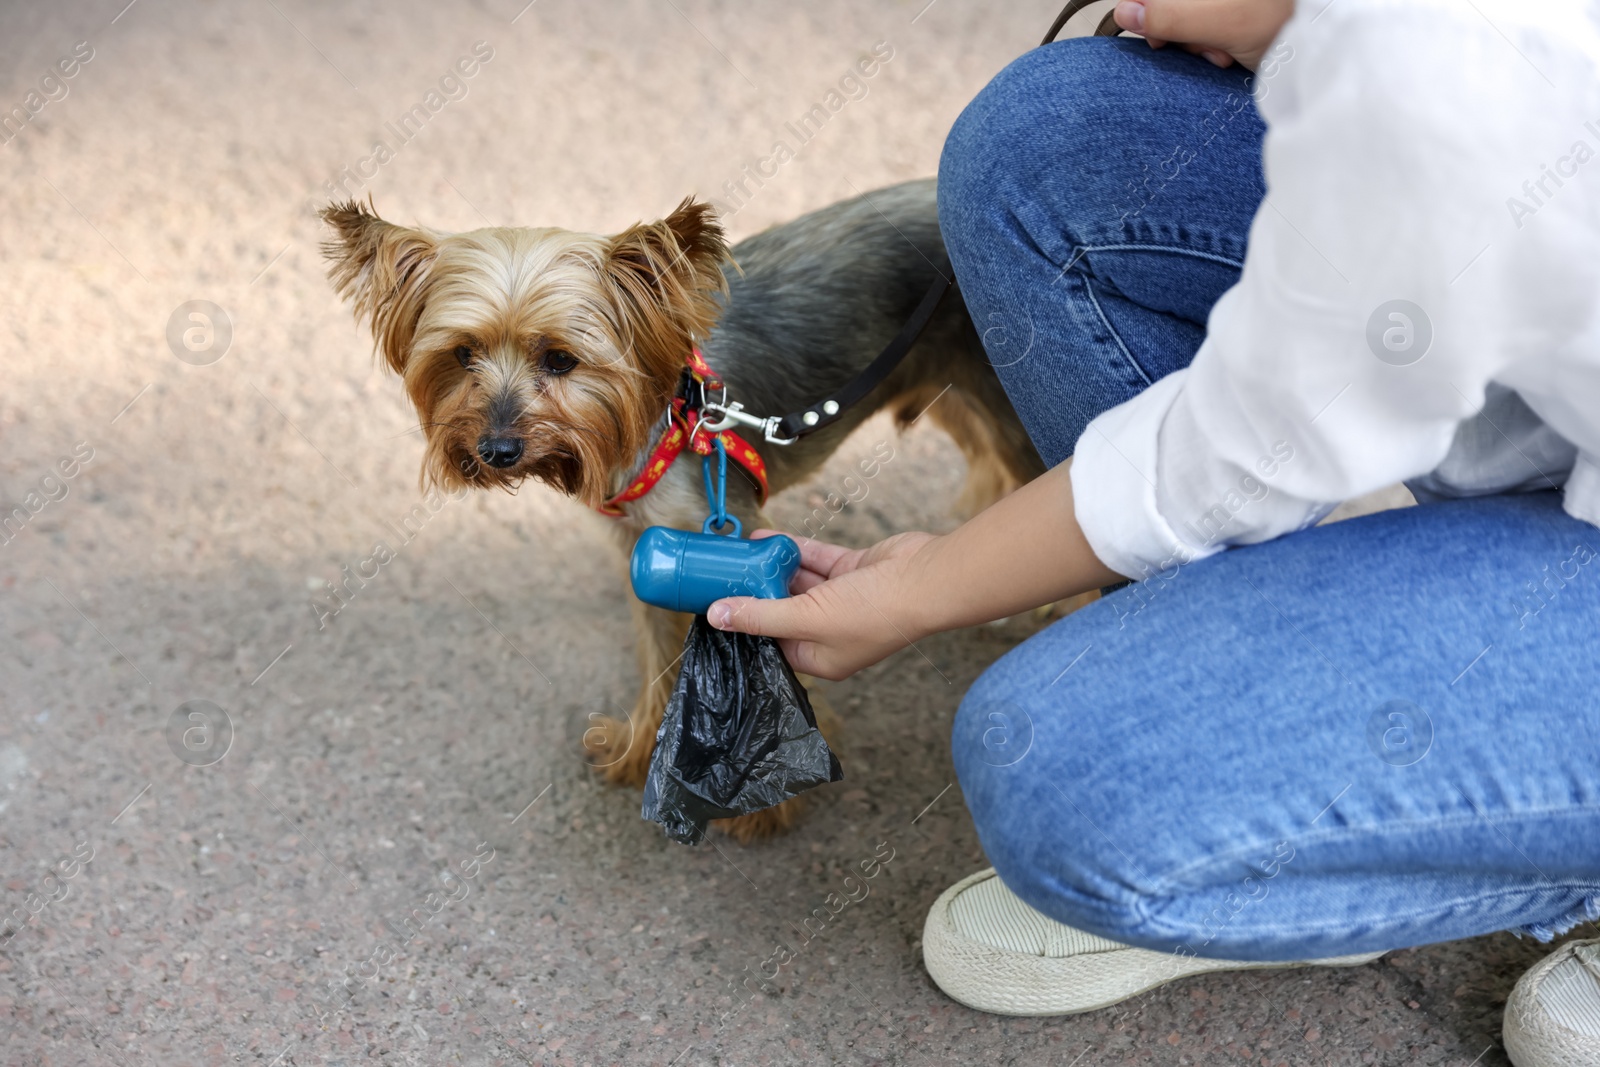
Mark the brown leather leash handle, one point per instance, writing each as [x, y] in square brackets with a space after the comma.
[1108, 26]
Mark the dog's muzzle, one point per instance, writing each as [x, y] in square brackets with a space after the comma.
[500, 452]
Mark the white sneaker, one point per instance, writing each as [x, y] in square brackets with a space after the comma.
[990, 951]
[1553, 1016]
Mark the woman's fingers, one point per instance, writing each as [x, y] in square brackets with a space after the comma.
[817, 556]
[818, 561]
[1211, 55]
[823, 558]
[805, 580]
[1196, 21]
[802, 656]
[1220, 30]
[1130, 15]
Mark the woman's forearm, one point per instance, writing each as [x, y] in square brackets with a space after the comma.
[853, 607]
[1024, 551]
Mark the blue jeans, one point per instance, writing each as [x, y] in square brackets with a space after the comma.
[1369, 735]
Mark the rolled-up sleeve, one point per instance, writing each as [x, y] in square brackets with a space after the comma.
[1388, 281]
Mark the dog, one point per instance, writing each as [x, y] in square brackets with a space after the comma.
[552, 355]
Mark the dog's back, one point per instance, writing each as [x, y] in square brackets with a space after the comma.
[811, 302]
[808, 299]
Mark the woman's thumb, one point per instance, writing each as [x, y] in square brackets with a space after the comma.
[751, 615]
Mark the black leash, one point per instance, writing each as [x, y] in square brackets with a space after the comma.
[722, 413]
[787, 429]
[797, 424]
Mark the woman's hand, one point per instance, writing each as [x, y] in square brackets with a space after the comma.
[849, 609]
[1223, 31]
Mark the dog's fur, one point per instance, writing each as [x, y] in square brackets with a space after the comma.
[798, 312]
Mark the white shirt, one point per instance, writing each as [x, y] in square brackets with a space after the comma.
[1445, 154]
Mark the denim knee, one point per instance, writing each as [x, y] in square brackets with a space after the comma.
[1008, 145]
[1073, 145]
[1068, 872]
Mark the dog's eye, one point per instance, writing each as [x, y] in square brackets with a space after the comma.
[464, 355]
[559, 361]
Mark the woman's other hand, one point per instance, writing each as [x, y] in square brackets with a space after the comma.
[1223, 31]
[849, 609]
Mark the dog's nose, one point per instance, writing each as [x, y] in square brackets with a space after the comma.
[499, 451]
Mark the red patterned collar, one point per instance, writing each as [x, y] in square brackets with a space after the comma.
[684, 430]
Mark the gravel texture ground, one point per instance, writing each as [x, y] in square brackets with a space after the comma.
[253, 910]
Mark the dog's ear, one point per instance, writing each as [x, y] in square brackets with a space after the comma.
[665, 277]
[382, 270]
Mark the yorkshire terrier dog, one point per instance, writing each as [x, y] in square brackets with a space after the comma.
[554, 355]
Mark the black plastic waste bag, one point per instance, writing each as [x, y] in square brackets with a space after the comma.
[738, 735]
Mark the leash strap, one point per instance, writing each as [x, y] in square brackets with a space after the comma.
[830, 409]
[1108, 26]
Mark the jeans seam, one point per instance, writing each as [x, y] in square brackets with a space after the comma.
[1088, 288]
[1166, 883]
[1080, 251]
[1179, 250]
[1164, 927]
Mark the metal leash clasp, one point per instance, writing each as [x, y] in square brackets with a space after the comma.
[732, 413]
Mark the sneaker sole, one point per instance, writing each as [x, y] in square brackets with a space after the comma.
[1012, 983]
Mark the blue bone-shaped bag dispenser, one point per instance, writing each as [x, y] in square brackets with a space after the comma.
[737, 734]
[683, 571]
